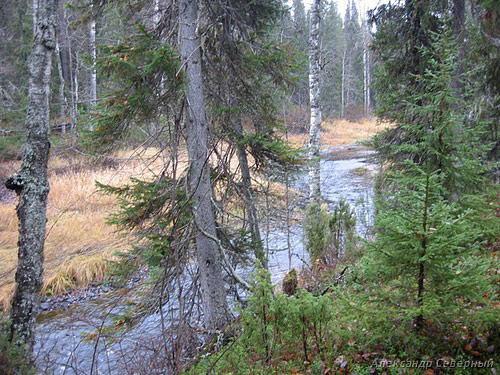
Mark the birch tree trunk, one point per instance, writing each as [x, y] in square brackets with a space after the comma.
[208, 255]
[32, 183]
[156, 14]
[342, 105]
[314, 86]
[93, 72]
[62, 88]
[35, 15]
[75, 94]
[366, 68]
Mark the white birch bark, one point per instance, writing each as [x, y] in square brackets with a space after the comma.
[93, 71]
[32, 183]
[314, 88]
[156, 14]
[62, 88]
[35, 16]
[342, 104]
[208, 255]
[366, 68]
[76, 91]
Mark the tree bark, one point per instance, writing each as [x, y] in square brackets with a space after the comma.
[35, 15]
[34, 185]
[246, 180]
[208, 256]
[314, 88]
[75, 95]
[93, 71]
[342, 105]
[366, 68]
[62, 89]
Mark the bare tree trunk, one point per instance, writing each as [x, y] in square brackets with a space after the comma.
[314, 86]
[32, 183]
[93, 72]
[366, 68]
[62, 88]
[66, 60]
[208, 256]
[368, 81]
[75, 96]
[342, 105]
[249, 199]
[35, 15]
[156, 14]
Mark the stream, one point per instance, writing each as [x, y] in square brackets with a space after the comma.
[67, 342]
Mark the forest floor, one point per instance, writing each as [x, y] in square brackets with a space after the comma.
[79, 243]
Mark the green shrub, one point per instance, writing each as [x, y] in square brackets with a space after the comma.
[329, 235]
[12, 358]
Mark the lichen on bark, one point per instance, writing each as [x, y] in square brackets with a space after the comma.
[31, 210]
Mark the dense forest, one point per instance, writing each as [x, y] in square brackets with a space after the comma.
[249, 187]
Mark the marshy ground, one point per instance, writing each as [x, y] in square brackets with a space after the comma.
[79, 243]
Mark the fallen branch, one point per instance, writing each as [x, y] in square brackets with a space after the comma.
[336, 282]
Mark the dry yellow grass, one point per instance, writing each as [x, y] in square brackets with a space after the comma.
[78, 243]
[342, 132]
[81, 270]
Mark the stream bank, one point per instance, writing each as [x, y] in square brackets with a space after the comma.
[76, 340]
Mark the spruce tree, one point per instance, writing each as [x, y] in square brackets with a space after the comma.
[428, 255]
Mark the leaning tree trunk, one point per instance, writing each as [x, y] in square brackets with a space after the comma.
[32, 183]
[314, 81]
[208, 255]
[246, 182]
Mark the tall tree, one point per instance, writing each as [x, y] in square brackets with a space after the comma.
[32, 182]
[331, 60]
[352, 60]
[300, 35]
[209, 262]
[93, 70]
[366, 67]
[314, 86]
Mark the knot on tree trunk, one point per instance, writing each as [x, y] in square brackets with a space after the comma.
[15, 183]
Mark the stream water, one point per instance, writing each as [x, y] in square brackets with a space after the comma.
[66, 341]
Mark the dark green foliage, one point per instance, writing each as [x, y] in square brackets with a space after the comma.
[332, 53]
[328, 235]
[12, 358]
[345, 331]
[420, 234]
[148, 76]
[317, 232]
[279, 333]
[427, 285]
[157, 212]
[17, 33]
[11, 146]
[427, 268]
[269, 150]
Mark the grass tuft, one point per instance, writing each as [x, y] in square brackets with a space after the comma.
[78, 272]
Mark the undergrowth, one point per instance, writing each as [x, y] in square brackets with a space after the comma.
[12, 359]
[340, 333]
